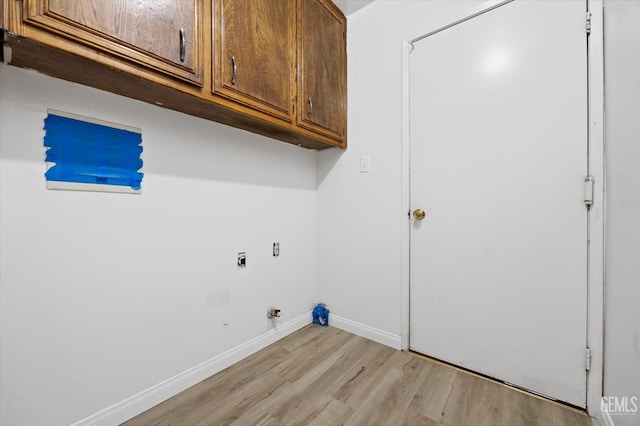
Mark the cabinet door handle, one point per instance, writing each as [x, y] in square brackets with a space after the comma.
[310, 107]
[234, 63]
[183, 44]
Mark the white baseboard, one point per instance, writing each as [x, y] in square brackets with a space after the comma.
[368, 332]
[142, 401]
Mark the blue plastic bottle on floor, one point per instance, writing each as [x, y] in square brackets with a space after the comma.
[321, 314]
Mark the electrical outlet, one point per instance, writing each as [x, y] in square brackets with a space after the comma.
[365, 164]
[276, 249]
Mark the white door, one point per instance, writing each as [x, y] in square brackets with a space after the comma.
[498, 160]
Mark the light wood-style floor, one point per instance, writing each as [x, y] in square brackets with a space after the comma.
[326, 376]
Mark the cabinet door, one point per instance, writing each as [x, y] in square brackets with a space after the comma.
[163, 35]
[254, 53]
[3, 14]
[322, 68]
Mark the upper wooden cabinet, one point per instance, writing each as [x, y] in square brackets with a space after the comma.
[254, 53]
[163, 35]
[322, 68]
[3, 13]
[272, 67]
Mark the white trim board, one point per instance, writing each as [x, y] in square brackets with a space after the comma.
[94, 120]
[363, 330]
[91, 187]
[142, 401]
[596, 285]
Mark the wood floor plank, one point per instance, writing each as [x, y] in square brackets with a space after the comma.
[299, 362]
[393, 402]
[567, 417]
[306, 410]
[473, 402]
[417, 419]
[305, 391]
[213, 390]
[431, 398]
[362, 379]
[292, 400]
[235, 404]
[307, 374]
[357, 350]
[326, 376]
[350, 368]
[255, 416]
[301, 339]
[371, 408]
[335, 413]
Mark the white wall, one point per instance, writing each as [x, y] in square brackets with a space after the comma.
[622, 153]
[105, 295]
[360, 216]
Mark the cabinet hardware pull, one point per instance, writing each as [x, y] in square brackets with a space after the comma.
[310, 107]
[183, 44]
[235, 69]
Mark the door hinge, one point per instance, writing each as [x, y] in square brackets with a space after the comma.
[588, 23]
[588, 191]
[587, 359]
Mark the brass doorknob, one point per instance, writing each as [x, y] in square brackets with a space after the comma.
[419, 214]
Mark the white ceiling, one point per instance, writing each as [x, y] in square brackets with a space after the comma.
[350, 6]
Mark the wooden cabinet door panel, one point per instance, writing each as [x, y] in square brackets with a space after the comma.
[164, 35]
[322, 67]
[254, 53]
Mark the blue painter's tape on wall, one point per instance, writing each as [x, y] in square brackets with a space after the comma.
[87, 152]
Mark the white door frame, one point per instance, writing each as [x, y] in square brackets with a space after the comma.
[595, 286]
